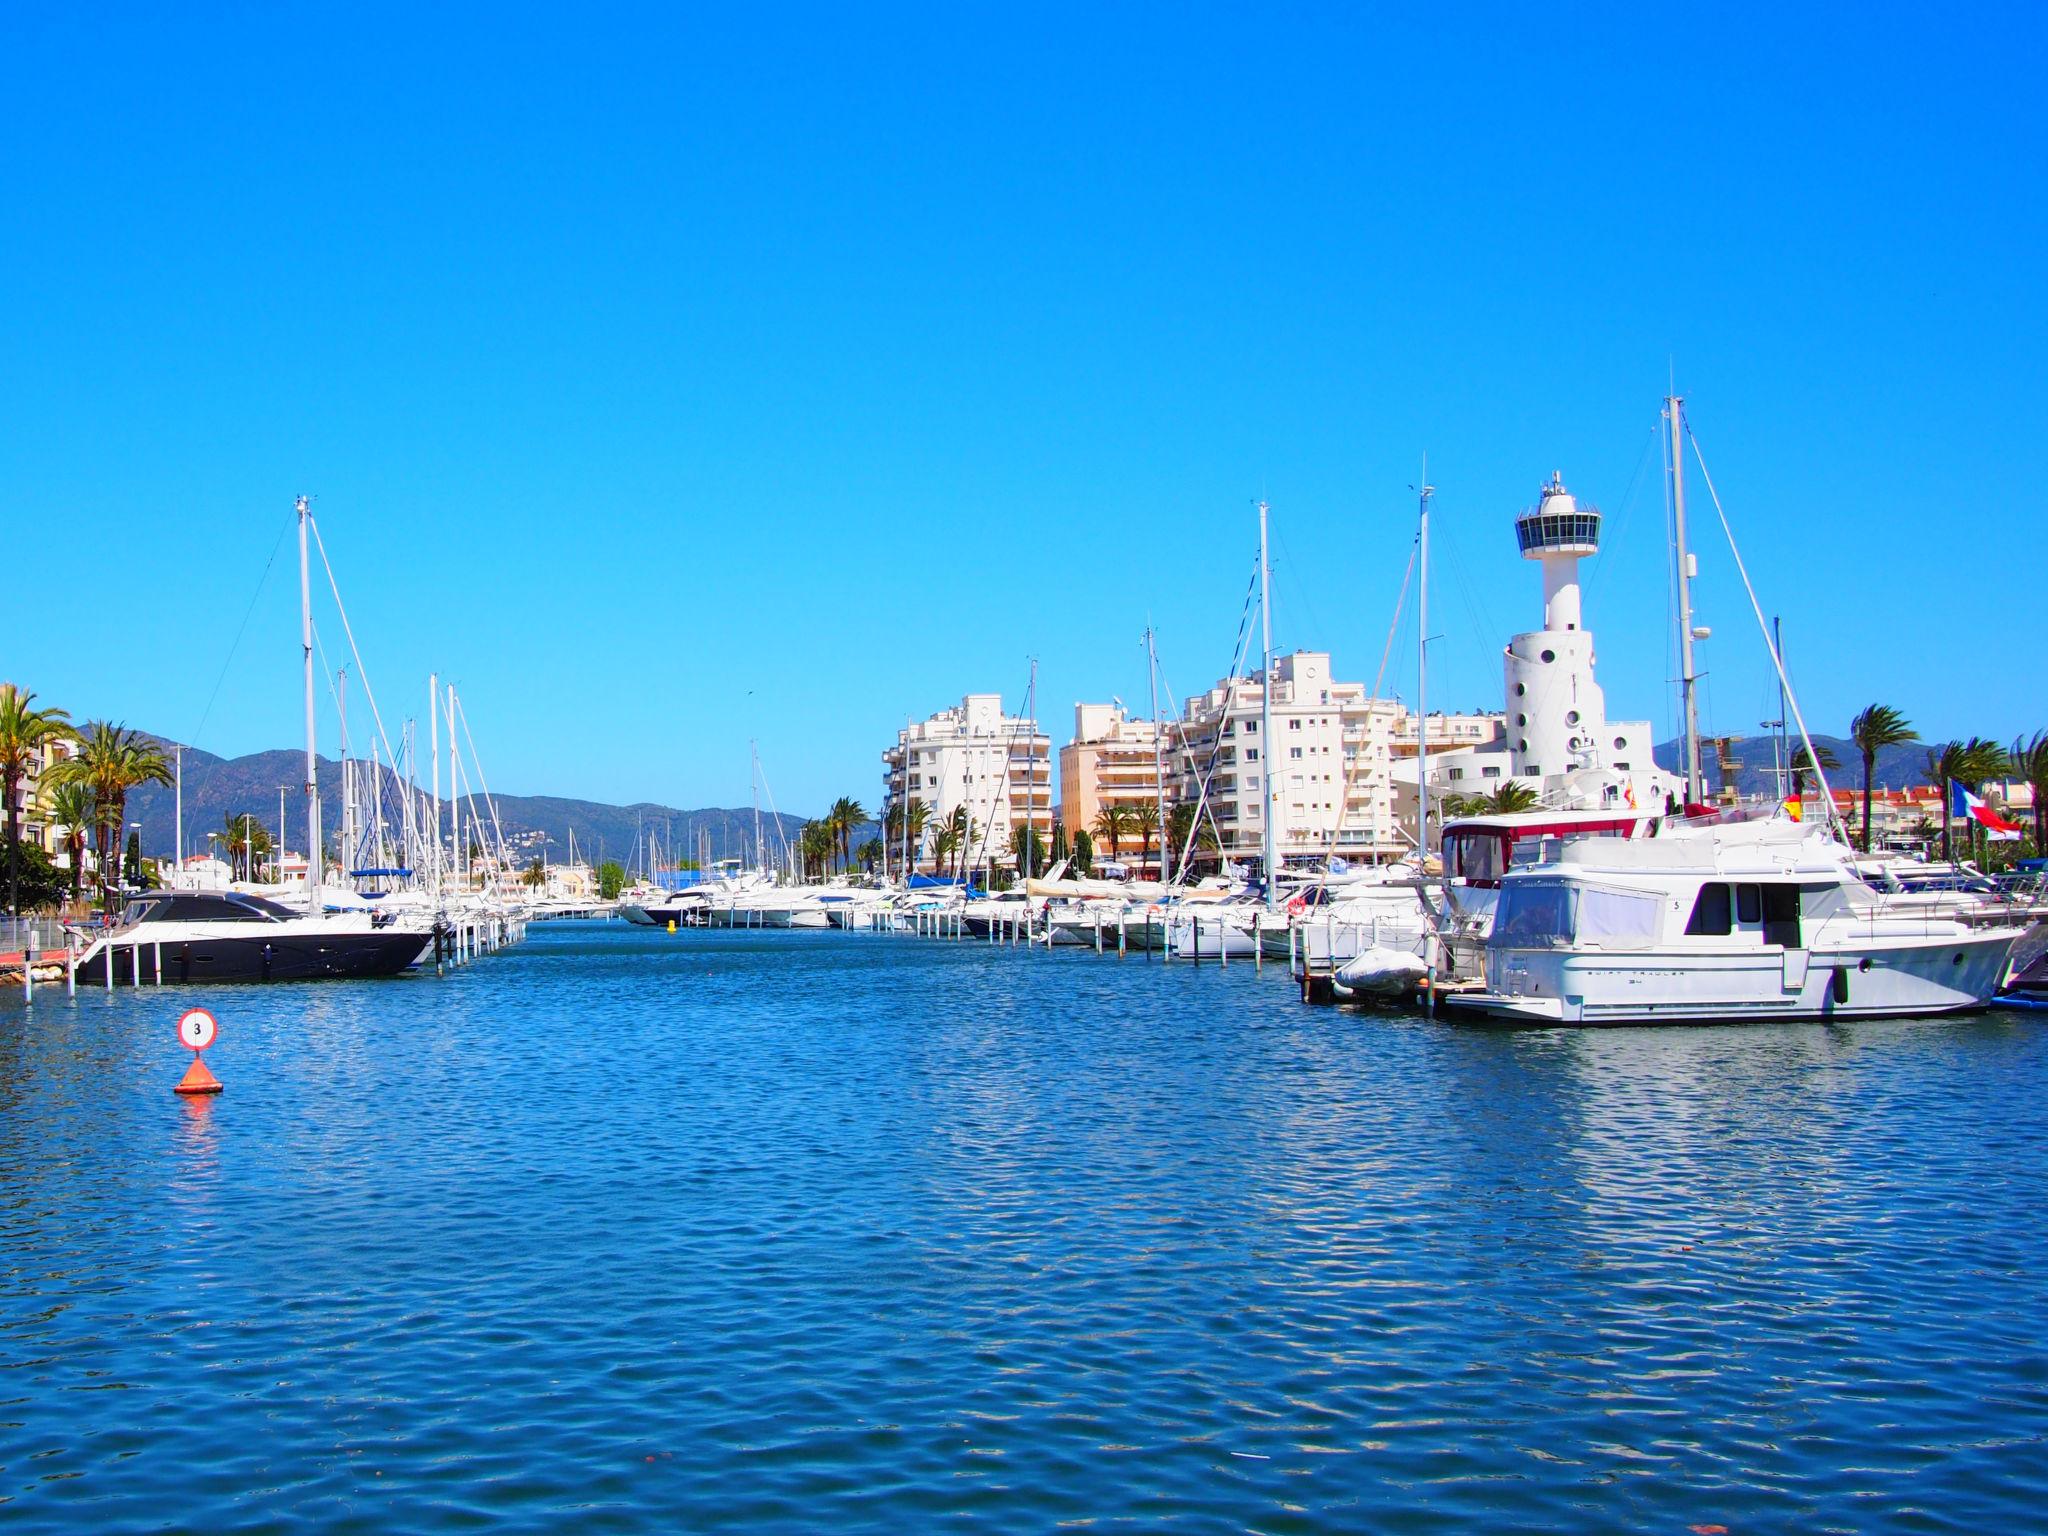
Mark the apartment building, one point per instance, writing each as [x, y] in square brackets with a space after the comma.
[997, 767]
[1330, 761]
[1112, 760]
[29, 800]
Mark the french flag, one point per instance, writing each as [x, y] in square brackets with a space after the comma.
[1967, 806]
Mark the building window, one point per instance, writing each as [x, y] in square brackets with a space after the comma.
[1251, 727]
[1294, 725]
[1457, 773]
[1548, 656]
[1294, 751]
[1489, 772]
[1535, 772]
[1571, 717]
[1521, 719]
[1621, 743]
[1520, 690]
[1251, 754]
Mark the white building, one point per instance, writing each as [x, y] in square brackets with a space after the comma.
[997, 767]
[1330, 760]
[1555, 736]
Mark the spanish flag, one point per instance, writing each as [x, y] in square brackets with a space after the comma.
[1794, 809]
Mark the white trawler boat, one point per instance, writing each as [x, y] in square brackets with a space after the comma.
[1718, 915]
[1763, 919]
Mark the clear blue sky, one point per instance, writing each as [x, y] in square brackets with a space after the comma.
[667, 379]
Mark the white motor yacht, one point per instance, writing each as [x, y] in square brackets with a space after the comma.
[1758, 919]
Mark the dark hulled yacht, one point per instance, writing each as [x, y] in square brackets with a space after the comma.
[229, 936]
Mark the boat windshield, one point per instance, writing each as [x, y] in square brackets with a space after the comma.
[1541, 911]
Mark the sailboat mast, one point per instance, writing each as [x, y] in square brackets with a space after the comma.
[1266, 709]
[434, 758]
[1158, 746]
[1688, 681]
[455, 851]
[312, 775]
[1422, 672]
[1031, 767]
[760, 848]
[347, 775]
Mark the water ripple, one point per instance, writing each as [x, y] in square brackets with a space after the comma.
[773, 1232]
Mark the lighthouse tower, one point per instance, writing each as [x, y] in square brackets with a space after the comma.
[1556, 714]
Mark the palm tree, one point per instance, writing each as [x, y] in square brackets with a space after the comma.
[1803, 766]
[2030, 762]
[1145, 822]
[24, 732]
[1510, 799]
[1185, 838]
[1877, 727]
[70, 806]
[112, 760]
[1027, 849]
[245, 837]
[915, 819]
[1110, 824]
[870, 853]
[1968, 762]
[536, 875]
[815, 844]
[845, 817]
[958, 831]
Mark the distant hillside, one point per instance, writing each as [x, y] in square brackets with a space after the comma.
[1897, 767]
[217, 788]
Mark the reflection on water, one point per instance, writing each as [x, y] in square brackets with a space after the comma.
[647, 1231]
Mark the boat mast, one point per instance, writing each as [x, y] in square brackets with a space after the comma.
[1266, 708]
[434, 758]
[347, 777]
[1688, 682]
[760, 848]
[178, 862]
[312, 775]
[1423, 494]
[1031, 766]
[1158, 746]
[454, 795]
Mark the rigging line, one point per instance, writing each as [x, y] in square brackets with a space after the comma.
[1345, 780]
[1626, 509]
[1827, 793]
[1300, 582]
[211, 698]
[462, 714]
[362, 672]
[1208, 773]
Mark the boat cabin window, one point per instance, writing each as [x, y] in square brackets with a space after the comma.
[1710, 913]
[1535, 912]
[1769, 911]
[1477, 857]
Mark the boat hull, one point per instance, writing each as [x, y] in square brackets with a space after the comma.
[1880, 980]
[238, 958]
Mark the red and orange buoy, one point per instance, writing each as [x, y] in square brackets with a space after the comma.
[197, 1029]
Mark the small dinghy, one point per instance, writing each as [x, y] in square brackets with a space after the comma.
[1379, 972]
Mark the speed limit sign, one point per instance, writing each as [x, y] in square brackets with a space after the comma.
[196, 1029]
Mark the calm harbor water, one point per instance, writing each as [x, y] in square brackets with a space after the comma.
[625, 1230]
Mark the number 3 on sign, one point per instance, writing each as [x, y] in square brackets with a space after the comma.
[196, 1029]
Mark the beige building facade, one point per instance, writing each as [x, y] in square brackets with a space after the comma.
[1330, 760]
[1112, 760]
[997, 767]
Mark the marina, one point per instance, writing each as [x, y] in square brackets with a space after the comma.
[1202, 771]
[942, 1235]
